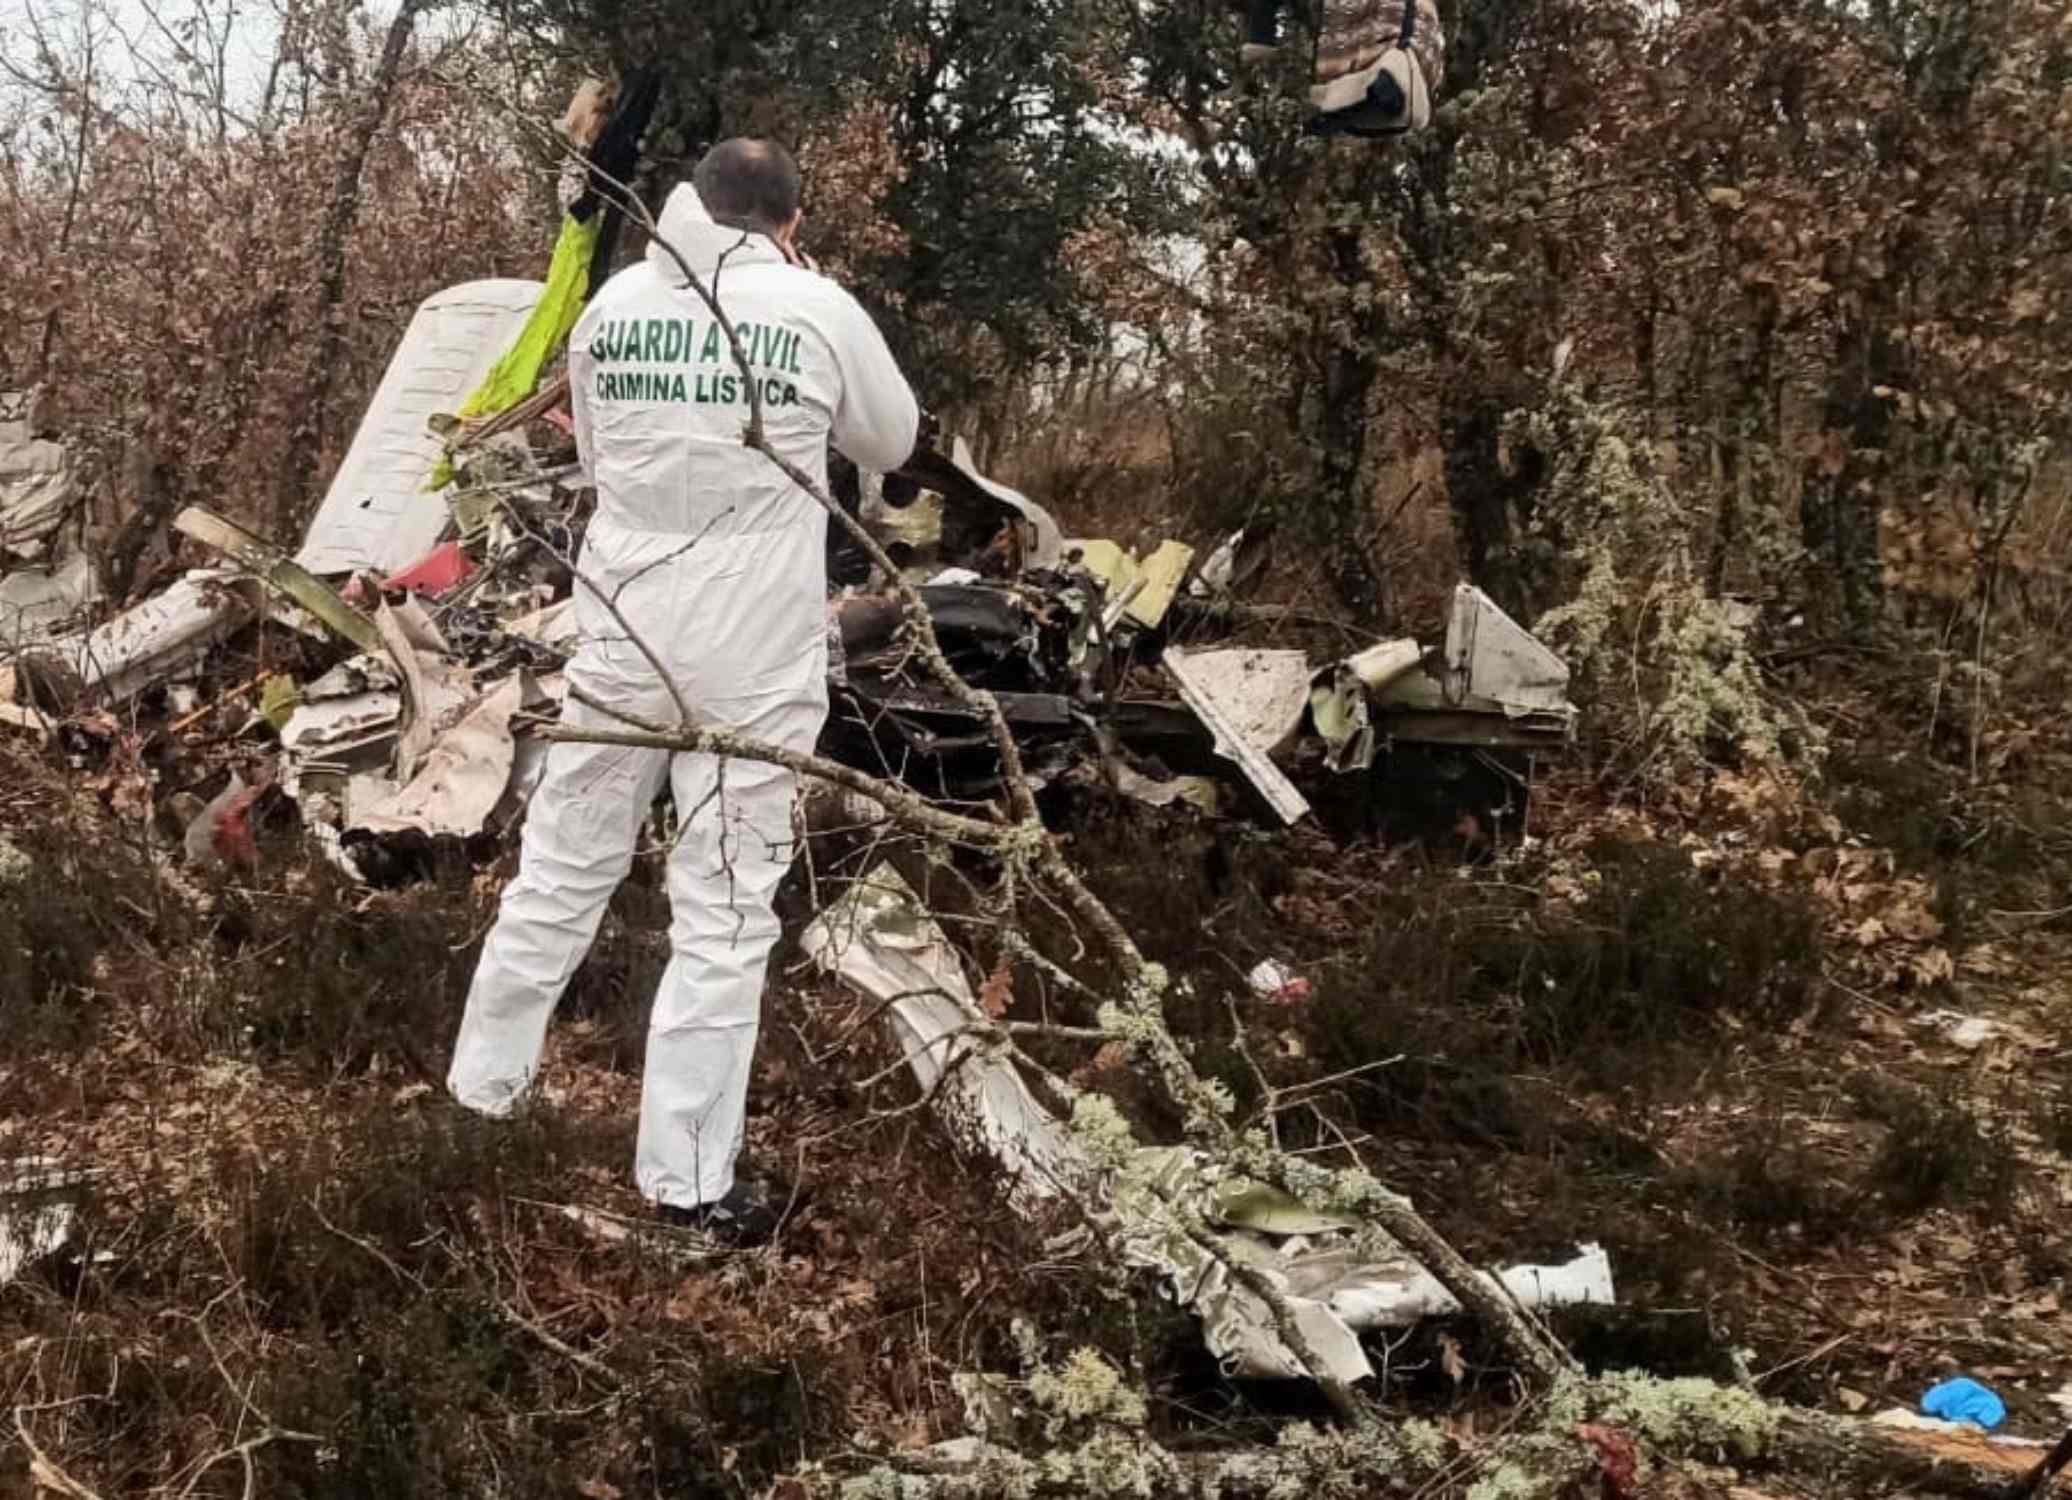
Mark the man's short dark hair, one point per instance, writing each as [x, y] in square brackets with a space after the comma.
[749, 184]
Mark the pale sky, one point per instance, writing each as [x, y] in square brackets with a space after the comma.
[254, 27]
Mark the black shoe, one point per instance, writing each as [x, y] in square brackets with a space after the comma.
[736, 1220]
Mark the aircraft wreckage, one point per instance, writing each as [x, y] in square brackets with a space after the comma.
[442, 623]
[427, 635]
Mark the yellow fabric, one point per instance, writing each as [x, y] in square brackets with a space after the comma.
[512, 378]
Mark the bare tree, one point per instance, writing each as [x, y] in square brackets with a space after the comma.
[332, 239]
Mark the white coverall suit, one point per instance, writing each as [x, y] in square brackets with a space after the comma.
[717, 560]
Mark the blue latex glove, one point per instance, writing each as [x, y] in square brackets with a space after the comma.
[1964, 1400]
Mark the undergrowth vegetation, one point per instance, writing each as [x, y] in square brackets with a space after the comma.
[1648, 1029]
[291, 1231]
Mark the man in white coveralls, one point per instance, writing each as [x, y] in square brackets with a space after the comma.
[716, 561]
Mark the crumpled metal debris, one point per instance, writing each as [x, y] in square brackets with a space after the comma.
[165, 639]
[436, 688]
[35, 601]
[463, 776]
[346, 720]
[446, 602]
[38, 479]
[977, 521]
[879, 938]
[1341, 1279]
[1198, 792]
[1339, 701]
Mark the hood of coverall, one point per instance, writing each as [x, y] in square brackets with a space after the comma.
[710, 248]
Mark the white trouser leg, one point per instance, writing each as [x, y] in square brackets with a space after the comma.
[580, 833]
[735, 843]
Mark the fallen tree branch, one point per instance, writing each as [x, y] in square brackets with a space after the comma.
[923, 815]
[43, 1470]
[243, 1452]
[2039, 1480]
[1546, 1455]
[590, 1363]
[1855, 1456]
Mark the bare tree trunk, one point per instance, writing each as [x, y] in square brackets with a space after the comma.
[1839, 502]
[88, 80]
[154, 497]
[332, 241]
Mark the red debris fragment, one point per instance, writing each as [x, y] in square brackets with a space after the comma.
[434, 573]
[1618, 1461]
[222, 832]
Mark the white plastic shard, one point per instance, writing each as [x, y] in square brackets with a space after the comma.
[162, 638]
[1338, 701]
[1213, 577]
[881, 940]
[38, 480]
[376, 513]
[1252, 701]
[34, 600]
[330, 727]
[1372, 1297]
[1491, 656]
[1049, 548]
[38, 1201]
[434, 687]
[463, 776]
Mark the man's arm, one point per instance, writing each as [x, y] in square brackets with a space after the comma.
[878, 422]
[580, 375]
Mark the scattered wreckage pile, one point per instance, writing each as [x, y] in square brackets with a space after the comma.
[446, 617]
[432, 623]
